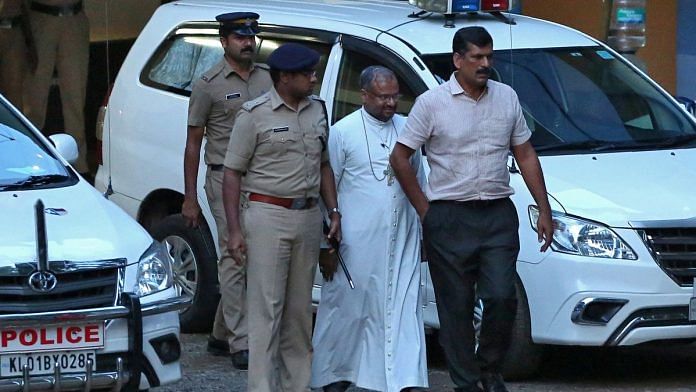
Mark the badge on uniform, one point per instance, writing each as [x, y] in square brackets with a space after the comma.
[281, 129]
[233, 96]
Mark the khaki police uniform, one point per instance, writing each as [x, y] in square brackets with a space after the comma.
[280, 150]
[13, 51]
[215, 99]
[61, 32]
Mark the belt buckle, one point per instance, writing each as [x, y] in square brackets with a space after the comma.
[299, 203]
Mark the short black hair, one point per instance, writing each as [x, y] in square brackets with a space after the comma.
[369, 74]
[475, 35]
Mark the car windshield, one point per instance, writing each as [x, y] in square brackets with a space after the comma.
[585, 99]
[24, 160]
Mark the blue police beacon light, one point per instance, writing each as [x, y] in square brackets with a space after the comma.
[455, 6]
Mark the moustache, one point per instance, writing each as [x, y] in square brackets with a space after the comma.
[248, 49]
[484, 71]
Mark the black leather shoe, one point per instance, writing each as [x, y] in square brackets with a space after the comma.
[240, 360]
[218, 347]
[470, 388]
[493, 382]
[338, 386]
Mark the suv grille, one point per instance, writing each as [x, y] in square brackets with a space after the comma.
[674, 251]
[76, 289]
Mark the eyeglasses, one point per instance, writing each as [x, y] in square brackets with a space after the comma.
[385, 97]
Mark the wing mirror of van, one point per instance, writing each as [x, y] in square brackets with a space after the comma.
[688, 104]
[66, 146]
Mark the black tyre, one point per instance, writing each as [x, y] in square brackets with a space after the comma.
[195, 270]
[523, 357]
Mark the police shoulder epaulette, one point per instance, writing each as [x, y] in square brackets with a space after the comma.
[250, 105]
[316, 98]
[263, 66]
[210, 74]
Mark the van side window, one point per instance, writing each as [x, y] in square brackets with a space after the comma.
[192, 50]
[347, 98]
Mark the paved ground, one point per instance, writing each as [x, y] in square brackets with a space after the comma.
[646, 369]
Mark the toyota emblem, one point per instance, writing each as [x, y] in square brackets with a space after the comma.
[43, 281]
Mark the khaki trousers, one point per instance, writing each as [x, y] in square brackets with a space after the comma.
[62, 42]
[230, 319]
[282, 249]
[13, 64]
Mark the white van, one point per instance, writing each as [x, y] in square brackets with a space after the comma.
[617, 151]
[86, 296]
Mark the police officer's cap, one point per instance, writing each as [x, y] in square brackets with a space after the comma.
[293, 57]
[240, 23]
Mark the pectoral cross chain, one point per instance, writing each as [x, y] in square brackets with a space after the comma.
[389, 173]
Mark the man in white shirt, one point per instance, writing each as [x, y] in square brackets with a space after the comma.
[468, 126]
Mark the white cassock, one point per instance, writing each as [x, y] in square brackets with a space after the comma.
[373, 335]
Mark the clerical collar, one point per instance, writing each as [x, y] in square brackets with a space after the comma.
[372, 120]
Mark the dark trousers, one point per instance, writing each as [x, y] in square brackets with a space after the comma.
[472, 249]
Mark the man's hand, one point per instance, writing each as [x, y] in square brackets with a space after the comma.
[545, 229]
[328, 265]
[191, 212]
[334, 229]
[423, 212]
[237, 248]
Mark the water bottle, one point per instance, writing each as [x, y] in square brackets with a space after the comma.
[627, 25]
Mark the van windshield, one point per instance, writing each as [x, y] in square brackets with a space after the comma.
[584, 100]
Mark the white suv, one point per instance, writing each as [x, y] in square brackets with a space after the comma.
[618, 154]
[86, 297]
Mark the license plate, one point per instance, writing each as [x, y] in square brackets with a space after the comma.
[692, 309]
[51, 338]
[44, 363]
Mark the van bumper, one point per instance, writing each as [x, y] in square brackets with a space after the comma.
[136, 336]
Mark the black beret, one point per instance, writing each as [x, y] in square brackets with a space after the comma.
[293, 57]
[240, 23]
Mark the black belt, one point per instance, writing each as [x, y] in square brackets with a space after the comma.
[471, 203]
[216, 167]
[11, 22]
[55, 10]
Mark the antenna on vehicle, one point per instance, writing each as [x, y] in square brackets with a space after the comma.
[109, 189]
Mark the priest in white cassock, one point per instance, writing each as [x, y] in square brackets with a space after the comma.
[372, 336]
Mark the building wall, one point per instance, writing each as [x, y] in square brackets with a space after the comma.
[590, 17]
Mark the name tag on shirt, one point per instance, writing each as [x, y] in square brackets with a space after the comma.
[281, 129]
[233, 96]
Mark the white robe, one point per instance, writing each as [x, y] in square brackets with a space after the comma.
[373, 335]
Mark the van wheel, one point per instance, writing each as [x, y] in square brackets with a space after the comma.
[523, 357]
[195, 270]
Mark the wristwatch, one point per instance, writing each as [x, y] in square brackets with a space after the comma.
[336, 211]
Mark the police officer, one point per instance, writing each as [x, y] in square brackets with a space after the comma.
[279, 141]
[215, 99]
[61, 30]
[17, 52]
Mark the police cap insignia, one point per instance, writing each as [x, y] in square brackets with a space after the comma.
[240, 23]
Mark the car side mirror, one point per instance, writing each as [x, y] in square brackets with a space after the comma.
[66, 146]
[688, 104]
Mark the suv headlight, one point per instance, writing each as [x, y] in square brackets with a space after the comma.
[154, 270]
[584, 238]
